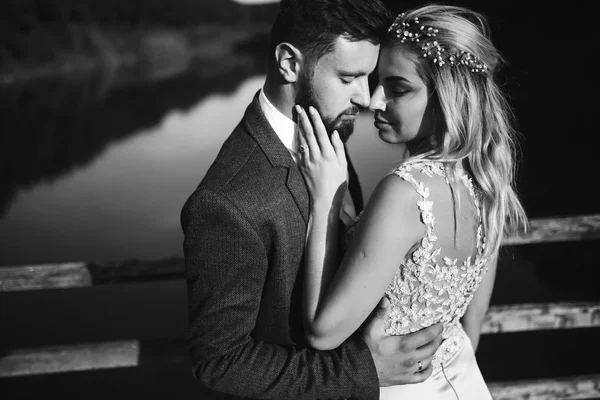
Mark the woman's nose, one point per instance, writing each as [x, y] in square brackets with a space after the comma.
[377, 99]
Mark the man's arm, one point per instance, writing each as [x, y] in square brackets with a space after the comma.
[226, 267]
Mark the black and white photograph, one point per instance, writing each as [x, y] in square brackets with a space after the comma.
[298, 200]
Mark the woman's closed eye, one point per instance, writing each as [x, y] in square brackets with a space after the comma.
[398, 92]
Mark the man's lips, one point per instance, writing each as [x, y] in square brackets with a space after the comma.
[352, 112]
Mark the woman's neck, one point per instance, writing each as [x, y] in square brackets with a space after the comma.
[418, 146]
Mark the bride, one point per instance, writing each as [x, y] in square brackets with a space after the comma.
[429, 237]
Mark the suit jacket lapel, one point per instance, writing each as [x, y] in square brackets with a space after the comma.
[277, 154]
[297, 187]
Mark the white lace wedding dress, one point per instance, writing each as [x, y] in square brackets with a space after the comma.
[431, 286]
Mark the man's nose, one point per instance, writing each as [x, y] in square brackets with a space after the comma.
[377, 100]
[362, 96]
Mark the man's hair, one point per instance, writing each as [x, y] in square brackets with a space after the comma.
[313, 25]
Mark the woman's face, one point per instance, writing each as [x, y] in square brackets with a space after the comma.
[401, 99]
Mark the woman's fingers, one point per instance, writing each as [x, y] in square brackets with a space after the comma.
[302, 146]
[320, 132]
[306, 130]
[338, 146]
[317, 141]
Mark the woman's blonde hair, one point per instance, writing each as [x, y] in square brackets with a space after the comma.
[473, 118]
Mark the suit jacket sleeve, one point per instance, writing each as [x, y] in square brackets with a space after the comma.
[226, 266]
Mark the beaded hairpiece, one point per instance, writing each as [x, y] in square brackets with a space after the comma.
[415, 32]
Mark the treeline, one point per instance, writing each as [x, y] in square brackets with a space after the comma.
[134, 12]
[75, 77]
[37, 30]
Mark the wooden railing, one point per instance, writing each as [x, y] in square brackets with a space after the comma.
[115, 354]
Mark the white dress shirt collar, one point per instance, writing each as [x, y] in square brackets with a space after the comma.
[285, 128]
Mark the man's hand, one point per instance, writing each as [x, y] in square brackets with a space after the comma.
[397, 357]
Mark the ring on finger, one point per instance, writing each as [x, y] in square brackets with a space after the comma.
[302, 148]
[420, 366]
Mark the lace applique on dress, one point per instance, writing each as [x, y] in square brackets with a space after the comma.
[428, 289]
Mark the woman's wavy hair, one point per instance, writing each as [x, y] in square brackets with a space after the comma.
[473, 118]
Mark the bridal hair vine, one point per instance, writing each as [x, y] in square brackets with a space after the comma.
[415, 32]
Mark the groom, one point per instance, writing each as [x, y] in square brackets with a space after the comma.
[245, 226]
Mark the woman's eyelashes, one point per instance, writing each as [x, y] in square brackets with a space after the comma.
[396, 91]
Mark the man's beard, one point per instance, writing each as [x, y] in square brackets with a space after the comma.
[306, 97]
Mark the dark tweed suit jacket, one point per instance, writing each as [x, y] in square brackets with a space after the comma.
[245, 228]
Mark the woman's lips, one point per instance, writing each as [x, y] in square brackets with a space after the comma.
[380, 123]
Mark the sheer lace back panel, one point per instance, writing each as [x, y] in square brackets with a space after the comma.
[438, 277]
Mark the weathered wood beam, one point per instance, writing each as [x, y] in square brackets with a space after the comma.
[575, 387]
[559, 229]
[47, 276]
[541, 316]
[78, 357]
[81, 274]
[92, 356]
[507, 318]
[108, 355]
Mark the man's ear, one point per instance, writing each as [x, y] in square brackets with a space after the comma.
[289, 61]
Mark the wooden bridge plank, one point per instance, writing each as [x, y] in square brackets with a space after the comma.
[78, 357]
[577, 387]
[541, 316]
[93, 356]
[559, 229]
[80, 274]
[50, 276]
[505, 318]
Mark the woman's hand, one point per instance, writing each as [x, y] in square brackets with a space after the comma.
[322, 161]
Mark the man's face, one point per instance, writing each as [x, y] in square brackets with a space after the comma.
[337, 84]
